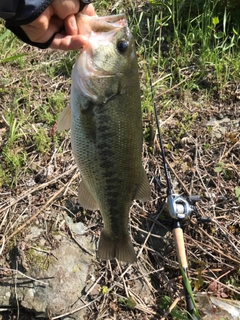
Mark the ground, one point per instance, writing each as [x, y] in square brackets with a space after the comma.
[200, 128]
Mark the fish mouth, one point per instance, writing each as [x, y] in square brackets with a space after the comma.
[118, 20]
[107, 23]
[88, 24]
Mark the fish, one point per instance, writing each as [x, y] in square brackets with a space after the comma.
[105, 118]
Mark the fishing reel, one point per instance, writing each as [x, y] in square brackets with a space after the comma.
[180, 208]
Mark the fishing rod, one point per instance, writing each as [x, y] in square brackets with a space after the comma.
[179, 209]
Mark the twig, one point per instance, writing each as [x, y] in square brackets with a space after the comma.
[3, 243]
[143, 275]
[70, 182]
[229, 287]
[38, 188]
[24, 275]
[149, 234]
[37, 213]
[4, 219]
[224, 155]
[227, 236]
[176, 175]
[15, 289]
[171, 307]
[199, 244]
[139, 303]
[76, 310]
[80, 246]
[175, 86]
[92, 287]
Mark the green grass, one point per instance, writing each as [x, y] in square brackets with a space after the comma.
[28, 108]
[176, 312]
[173, 36]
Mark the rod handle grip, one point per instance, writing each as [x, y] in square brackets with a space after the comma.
[180, 247]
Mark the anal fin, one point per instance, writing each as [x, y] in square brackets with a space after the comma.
[85, 198]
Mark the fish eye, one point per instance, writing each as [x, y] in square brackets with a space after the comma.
[122, 46]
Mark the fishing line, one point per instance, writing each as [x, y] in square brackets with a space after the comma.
[169, 187]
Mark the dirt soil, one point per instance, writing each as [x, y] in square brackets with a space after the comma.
[200, 131]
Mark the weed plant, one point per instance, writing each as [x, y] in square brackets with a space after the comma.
[175, 38]
[28, 108]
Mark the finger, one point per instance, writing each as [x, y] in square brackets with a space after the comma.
[67, 42]
[63, 8]
[70, 25]
[43, 28]
[55, 25]
[89, 10]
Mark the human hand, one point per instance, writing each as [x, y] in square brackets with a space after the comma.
[60, 15]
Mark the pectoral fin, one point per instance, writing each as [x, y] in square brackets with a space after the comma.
[144, 191]
[85, 198]
[64, 120]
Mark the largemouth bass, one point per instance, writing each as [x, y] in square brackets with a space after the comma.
[106, 130]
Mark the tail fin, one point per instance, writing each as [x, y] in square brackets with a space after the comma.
[110, 248]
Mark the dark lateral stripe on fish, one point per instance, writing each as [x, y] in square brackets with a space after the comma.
[107, 151]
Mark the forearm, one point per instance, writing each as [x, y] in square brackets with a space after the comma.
[19, 12]
[8, 9]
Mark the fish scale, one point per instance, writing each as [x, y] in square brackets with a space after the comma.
[106, 133]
